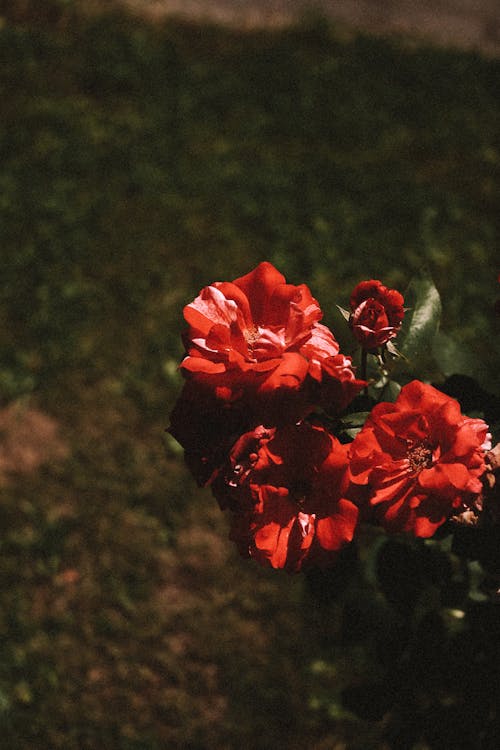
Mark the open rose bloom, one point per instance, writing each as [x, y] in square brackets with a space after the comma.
[259, 339]
[419, 459]
[284, 488]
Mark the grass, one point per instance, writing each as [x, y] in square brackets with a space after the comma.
[140, 163]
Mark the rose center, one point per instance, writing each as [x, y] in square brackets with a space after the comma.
[419, 456]
[264, 343]
[299, 492]
[251, 335]
[372, 314]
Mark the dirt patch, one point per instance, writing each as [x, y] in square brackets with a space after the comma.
[28, 439]
[470, 24]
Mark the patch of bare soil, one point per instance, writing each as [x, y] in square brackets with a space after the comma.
[28, 439]
[470, 24]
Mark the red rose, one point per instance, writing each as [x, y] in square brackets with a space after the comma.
[419, 459]
[284, 487]
[377, 313]
[256, 338]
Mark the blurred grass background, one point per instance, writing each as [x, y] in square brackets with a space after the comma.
[140, 163]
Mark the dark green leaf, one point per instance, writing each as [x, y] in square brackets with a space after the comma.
[351, 432]
[356, 419]
[345, 313]
[422, 320]
[392, 349]
[452, 358]
[388, 390]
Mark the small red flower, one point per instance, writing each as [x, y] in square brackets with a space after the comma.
[376, 313]
[419, 459]
[256, 338]
[285, 490]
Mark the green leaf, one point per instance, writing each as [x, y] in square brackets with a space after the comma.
[351, 424]
[385, 390]
[356, 419]
[351, 432]
[345, 313]
[171, 445]
[393, 350]
[453, 358]
[421, 321]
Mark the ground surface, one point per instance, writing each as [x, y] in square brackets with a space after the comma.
[140, 162]
[463, 23]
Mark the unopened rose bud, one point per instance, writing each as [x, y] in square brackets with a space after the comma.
[376, 313]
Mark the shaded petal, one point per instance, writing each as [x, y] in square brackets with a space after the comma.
[290, 373]
[271, 543]
[423, 526]
[444, 478]
[320, 345]
[202, 364]
[334, 531]
[391, 489]
[468, 439]
[258, 286]
[233, 292]
[211, 306]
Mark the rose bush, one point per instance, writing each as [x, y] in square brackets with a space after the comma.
[315, 474]
[265, 403]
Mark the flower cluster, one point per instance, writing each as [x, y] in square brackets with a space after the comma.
[259, 417]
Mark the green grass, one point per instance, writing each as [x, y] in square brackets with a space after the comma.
[140, 163]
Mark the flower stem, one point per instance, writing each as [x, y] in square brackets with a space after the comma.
[364, 361]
